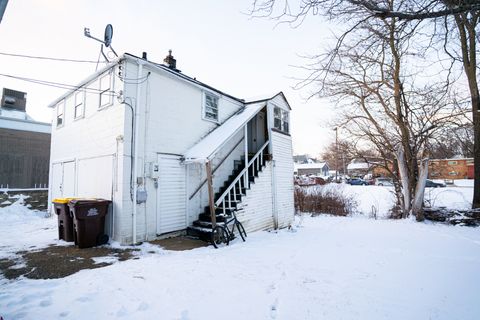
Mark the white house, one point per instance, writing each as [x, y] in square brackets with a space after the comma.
[314, 168]
[147, 137]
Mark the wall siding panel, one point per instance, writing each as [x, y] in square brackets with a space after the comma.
[283, 170]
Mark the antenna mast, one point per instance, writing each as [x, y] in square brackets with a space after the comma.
[107, 40]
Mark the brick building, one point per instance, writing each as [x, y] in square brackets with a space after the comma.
[24, 145]
[461, 168]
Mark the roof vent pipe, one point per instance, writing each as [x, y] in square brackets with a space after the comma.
[144, 55]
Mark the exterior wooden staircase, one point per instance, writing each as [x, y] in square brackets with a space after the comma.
[229, 197]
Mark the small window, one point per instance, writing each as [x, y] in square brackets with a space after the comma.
[281, 120]
[106, 96]
[61, 113]
[452, 163]
[285, 121]
[79, 107]
[452, 173]
[210, 107]
[277, 118]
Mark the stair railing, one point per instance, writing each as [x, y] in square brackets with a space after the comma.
[241, 180]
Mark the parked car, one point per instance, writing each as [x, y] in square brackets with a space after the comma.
[432, 184]
[357, 182]
[383, 182]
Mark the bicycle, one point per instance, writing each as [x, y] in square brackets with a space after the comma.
[222, 234]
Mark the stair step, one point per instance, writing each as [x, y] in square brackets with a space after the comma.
[207, 218]
[206, 224]
[201, 233]
[218, 211]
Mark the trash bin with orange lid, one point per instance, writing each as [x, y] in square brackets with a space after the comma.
[65, 221]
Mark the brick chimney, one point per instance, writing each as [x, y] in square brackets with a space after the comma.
[170, 61]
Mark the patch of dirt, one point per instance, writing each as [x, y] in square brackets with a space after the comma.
[59, 261]
[56, 262]
[180, 243]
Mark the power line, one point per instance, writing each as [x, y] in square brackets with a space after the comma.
[47, 58]
[55, 84]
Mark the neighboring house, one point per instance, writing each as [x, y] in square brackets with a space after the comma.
[24, 145]
[358, 168]
[318, 169]
[149, 138]
[304, 158]
[456, 168]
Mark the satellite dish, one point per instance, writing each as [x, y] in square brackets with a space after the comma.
[108, 35]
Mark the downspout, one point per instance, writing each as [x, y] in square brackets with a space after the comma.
[135, 156]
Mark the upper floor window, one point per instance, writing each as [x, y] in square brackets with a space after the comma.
[281, 120]
[210, 107]
[79, 105]
[452, 163]
[61, 113]
[106, 96]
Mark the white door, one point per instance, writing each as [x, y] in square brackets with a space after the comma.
[68, 185]
[57, 180]
[95, 177]
[256, 133]
[171, 194]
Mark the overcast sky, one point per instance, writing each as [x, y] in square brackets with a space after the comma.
[215, 41]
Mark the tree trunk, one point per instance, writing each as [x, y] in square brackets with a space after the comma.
[476, 154]
[417, 207]
[468, 38]
[404, 178]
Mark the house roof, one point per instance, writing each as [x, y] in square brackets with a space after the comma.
[358, 165]
[24, 125]
[319, 165]
[165, 69]
[218, 137]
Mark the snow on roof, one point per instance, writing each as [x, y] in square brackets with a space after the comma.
[16, 114]
[358, 165]
[24, 124]
[218, 137]
[319, 165]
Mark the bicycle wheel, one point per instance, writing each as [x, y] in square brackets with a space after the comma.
[219, 237]
[241, 230]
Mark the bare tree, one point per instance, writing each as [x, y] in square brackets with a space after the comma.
[372, 76]
[464, 15]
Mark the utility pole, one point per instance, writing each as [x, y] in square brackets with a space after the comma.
[336, 154]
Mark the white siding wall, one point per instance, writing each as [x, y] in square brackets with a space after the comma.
[93, 143]
[256, 210]
[283, 176]
[171, 122]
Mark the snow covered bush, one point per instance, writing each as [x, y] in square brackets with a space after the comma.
[324, 200]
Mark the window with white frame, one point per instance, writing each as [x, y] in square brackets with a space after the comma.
[210, 107]
[106, 97]
[61, 113]
[79, 104]
[281, 120]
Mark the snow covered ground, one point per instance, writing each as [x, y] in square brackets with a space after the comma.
[381, 199]
[326, 268]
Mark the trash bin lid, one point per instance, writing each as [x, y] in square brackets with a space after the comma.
[62, 200]
[87, 201]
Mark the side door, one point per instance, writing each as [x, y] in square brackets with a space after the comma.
[57, 180]
[68, 185]
[171, 194]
